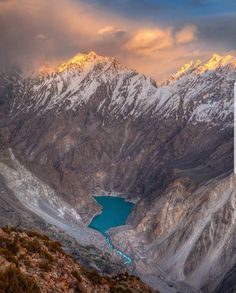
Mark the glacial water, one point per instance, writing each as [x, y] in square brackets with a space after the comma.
[115, 211]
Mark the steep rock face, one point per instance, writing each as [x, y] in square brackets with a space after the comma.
[100, 126]
[26, 202]
[188, 234]
[91, 125]
[228, 283]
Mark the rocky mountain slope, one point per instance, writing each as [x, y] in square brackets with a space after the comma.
[19, 190]
[91, 125]
[31, 262]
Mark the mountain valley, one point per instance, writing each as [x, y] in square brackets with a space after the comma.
[92, 126]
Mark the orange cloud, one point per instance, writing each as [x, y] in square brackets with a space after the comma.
[41, 31]
[186, 34]
[106, 30]
[149, 41]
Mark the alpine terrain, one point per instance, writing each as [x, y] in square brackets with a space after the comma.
[91, 126]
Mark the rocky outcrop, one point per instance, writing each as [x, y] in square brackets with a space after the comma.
[31, 262]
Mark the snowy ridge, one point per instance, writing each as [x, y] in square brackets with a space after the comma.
[198, 92]
[199, 67]
[207, 89]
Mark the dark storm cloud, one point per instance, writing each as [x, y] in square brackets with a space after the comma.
[218, 32]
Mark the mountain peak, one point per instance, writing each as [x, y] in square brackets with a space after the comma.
[188, 67]
[92, 54]
[78, 59]
[216, 61]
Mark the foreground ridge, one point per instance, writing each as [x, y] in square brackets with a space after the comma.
[31, 262]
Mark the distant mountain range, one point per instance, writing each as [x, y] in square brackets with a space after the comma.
[91, 126]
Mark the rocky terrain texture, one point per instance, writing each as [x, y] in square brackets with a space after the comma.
[91, 125]
[31, 262]
[16, 211]
[228, 284]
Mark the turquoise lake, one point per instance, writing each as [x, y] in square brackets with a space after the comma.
[115, 211]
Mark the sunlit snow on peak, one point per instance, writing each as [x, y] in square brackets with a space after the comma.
[199, 67]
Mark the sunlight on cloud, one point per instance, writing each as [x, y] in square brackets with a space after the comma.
[147, 42]
[48, 32]
[106, 30]
[186, 34]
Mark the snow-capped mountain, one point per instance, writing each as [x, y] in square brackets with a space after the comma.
[201, 84]
[192, 93]
[91, 125]
[84, 77]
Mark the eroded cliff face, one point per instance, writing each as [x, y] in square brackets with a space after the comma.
[187, 234]
[28, 202]
[92, 125]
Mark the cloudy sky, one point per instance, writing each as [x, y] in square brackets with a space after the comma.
[153, 36]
